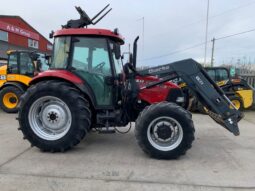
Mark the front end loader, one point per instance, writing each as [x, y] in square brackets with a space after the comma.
[88, 88]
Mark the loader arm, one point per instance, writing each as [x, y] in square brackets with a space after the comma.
[204, 88]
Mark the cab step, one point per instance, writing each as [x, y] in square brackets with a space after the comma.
[106, 131]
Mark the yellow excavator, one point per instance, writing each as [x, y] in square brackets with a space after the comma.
[21, 67]
[237, 89]
[240, 93]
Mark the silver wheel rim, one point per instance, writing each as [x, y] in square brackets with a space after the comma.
[50, 118]
[167, 143]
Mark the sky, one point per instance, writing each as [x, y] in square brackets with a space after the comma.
[173, 29]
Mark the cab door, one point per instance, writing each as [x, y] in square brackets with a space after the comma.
[12, 67]
[91, 61]
[3, 73]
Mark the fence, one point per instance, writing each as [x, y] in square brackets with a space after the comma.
[249, 76]
[250, 79]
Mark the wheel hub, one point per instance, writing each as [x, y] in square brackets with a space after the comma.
[50, 118]
[13, 100]
[10, 100]
[54, 116]
[164, 132]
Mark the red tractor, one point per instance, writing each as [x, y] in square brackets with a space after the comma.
[88, 88]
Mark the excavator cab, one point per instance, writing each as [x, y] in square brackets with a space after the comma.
[16, 75]
[26, 63]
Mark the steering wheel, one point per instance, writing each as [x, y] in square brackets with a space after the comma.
[99, 66]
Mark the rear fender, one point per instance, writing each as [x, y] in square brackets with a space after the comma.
[69, 77]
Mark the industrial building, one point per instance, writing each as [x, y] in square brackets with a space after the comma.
[17, 34]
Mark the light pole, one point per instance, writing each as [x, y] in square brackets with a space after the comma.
[212, 58]
[206, 29]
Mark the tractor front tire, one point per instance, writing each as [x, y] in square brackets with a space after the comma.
[9, 99]
[54, 116]
[164, 130]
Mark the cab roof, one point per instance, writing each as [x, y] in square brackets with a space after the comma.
[23, 51]
[90, 32]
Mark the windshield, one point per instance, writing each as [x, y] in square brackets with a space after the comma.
[218, 74]
[60, 53]
[91, 55]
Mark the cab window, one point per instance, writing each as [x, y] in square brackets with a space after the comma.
[218, 74]
[26, 64]
[212, 74]
[13, 64]
[221, 74]
[61, 52]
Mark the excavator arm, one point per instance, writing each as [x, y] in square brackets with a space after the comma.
[203, 87]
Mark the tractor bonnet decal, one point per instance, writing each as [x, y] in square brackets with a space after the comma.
[159, 69]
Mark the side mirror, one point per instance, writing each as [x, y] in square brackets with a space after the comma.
[117, 51]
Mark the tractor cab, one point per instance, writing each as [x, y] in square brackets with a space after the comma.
[91, 54]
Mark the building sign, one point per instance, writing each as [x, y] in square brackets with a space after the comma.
[13, 29]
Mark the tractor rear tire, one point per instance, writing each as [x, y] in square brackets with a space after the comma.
[54, 116]
[9, 99]
[164, 130]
